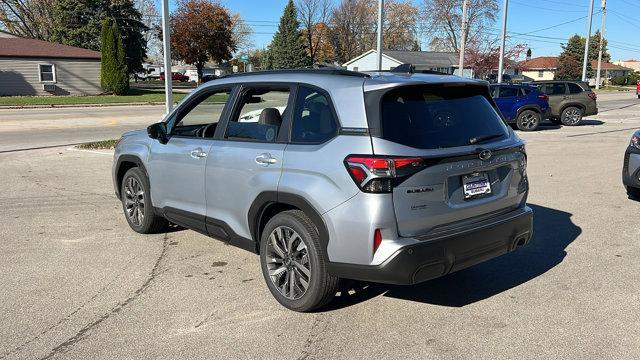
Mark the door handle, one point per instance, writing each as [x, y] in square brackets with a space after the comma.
[265, 159]
[198, 153]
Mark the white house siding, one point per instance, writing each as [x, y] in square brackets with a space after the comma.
[19, 76]
[369, 62]
[535, 74]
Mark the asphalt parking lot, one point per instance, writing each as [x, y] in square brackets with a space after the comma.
[77, 283]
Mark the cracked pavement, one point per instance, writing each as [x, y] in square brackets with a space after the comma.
[77, 283]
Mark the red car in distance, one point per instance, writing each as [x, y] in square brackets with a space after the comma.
[176, 76]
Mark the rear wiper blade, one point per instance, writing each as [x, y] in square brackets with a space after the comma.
[483, 138]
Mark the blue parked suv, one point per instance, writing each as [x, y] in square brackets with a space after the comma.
[522, 105]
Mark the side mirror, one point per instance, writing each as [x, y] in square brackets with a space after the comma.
[158, 131]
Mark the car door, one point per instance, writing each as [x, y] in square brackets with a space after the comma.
[177, 168]
[246, 159]
[557, 93]
[507, 101]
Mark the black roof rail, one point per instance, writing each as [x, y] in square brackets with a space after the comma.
[410, 69]
[325, 70]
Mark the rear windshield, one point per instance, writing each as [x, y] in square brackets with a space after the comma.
[432, 117]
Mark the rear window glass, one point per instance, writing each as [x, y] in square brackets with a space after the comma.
[439, 117]
[574, 88]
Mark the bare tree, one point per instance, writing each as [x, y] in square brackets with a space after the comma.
[353, 24]
[311, 13]
[241, 33]
[400, 26]
[28, 18]
[151, 19]
[442, 21]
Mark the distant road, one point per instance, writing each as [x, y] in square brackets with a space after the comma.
[46, 127]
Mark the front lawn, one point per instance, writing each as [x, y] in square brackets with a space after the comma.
[134, 96]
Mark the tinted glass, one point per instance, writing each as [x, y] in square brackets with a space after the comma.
[313, 120]
[433, 117]
[259, 115]
[506, 91]
[207, 110]
[553, 88]
[574, 88]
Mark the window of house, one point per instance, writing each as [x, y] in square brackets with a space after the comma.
[313, 120]
[355, 68]
[259, 114]
[47, 72]
[541, 73]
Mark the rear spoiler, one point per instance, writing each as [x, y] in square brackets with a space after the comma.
[410, 69]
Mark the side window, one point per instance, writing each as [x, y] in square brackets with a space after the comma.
[574, 88]
[205, 111]
[313, 120]
[506, 91]
[558, 89]
[258, 115]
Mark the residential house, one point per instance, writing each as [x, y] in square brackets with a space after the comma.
[608, 70]
[35, 67]
[539, 68]
[632, 64]
[446, 62]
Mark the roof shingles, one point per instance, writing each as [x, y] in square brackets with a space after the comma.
[32, 48]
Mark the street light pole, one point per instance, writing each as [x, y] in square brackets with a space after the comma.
[586, 45]
[505, 5]
[604, 13]
[463, 37]
[380, 21]
[166, 48]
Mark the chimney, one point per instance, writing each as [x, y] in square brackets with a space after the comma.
[529, 54]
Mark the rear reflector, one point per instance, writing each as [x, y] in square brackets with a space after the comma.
[377, 240]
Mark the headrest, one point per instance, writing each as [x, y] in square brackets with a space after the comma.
[270, 116]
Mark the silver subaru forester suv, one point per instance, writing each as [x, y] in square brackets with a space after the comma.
[329, 174]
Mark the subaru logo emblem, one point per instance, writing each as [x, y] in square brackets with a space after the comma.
[485, 155]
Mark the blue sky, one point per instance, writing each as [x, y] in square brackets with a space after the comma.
[524, 17]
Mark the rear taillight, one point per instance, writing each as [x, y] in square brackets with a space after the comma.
[592, 95]
[543, 97]
[379, 174]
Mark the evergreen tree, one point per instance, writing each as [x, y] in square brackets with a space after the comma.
[108, 57]
[114, 76]
[594, 47]
[79, 23]
[121, 72]
[287, 47]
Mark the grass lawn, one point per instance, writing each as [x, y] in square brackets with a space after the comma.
[134, 95]
[99, 145]
[617, 88]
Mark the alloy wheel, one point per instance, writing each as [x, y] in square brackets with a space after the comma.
[529, 121]
[288, 262]
[134, 200]
[572, 116]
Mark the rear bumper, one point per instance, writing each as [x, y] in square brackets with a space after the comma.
[432, 258]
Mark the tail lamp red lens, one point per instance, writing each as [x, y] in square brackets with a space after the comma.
[378, 174]
[543, 97]
[593, 95]
[377, 239]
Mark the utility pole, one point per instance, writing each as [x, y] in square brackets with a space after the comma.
[604, 13]
[505, 5]
[166, 48]
[586, 45]
[380, 21]
[463, 38]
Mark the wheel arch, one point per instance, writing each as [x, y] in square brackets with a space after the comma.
[124, 163]
[578, 105]
[533, 107]
[269, 203]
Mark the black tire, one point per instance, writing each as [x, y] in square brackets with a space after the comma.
[528, 120]
[321, 286]
[633, 193]
[150, 222]
[555, 121]
[571, 116]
